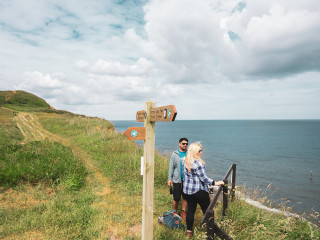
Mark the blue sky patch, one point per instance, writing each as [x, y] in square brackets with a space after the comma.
[240, 6]
[233, 36]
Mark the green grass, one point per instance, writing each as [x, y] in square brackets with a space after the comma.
[2, 98]
[117, 156]
[22, 101]
[244, 221]
[67, 215]
[9, 132]
[40, 162]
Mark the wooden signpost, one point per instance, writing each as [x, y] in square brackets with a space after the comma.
[149, 116]
[136, 133]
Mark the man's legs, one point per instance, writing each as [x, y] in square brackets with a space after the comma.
[184, 207]
[184, 204]
[175, 205]
[176, 195]
[177, 192]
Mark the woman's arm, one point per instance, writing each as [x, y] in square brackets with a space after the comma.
[201, 173]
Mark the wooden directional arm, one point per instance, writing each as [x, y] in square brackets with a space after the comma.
[166, 113]
[136, 133]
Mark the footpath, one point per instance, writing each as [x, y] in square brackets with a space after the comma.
[32, 130]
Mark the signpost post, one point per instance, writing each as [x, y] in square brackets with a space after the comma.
[149, 116]
[148, 175]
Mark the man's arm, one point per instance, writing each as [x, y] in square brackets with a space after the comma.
[170, 173]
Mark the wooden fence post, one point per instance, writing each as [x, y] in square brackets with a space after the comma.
[233, 180]
[210, 225]
[224, 200]
[148, 175]
[208, 218]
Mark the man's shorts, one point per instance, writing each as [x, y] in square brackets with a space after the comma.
[177, 191]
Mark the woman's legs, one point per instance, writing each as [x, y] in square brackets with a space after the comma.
[201, 197]
[192, 206]
[204, 200]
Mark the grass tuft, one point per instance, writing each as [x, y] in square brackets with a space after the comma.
[40, 162]
[9, 131]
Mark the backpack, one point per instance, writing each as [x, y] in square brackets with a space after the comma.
[171, 220]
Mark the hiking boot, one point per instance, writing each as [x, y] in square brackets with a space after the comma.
[183, 214]
[189, 234]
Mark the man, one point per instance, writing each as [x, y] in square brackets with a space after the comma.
[175, 176]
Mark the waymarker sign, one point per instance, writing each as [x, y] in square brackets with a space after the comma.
[166, 113]
[149, 116]
[136, 133]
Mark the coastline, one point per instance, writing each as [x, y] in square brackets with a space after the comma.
[261, 206]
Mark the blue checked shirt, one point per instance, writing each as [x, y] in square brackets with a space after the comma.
[196, 179]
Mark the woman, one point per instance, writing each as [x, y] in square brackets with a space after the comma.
[195, 185]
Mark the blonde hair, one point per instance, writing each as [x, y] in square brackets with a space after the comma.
[193, 150]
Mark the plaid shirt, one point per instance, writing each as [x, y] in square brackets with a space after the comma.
[196, 179]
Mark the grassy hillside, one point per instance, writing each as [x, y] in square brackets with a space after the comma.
[65, 176]
[9, 131]
[22, 101]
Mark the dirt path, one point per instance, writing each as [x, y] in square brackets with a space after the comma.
[32, 130]
[7, 98]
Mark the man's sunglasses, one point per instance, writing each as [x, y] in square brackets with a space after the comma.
[184, 143]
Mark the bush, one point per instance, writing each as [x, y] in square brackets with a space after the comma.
[35, 162]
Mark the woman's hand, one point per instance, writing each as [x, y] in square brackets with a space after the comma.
[218, 183]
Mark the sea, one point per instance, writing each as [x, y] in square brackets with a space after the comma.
[279, 159]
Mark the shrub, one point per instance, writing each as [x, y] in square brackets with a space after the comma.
[47, 162]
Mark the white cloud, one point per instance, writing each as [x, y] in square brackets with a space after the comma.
[185, 39]
[102, 67]
[237, 59]
[81, 64]
[39, 80]
[125, 82]
[293, 97]
[279, 43]
[190, 41]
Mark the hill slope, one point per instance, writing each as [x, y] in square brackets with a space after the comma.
[22, 101]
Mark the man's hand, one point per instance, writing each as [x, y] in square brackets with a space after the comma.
[170, 183]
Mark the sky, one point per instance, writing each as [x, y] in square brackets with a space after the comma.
[228, 59]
